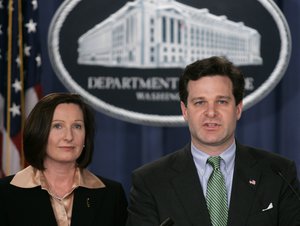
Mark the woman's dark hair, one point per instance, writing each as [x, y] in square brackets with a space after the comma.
[38, 124]
[211, 67]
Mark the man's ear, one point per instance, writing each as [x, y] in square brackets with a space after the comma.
[239, 110]
[183, 110]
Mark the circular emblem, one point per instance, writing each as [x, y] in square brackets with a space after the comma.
[125, 57]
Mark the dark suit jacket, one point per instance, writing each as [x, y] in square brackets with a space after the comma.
[91, 207]
[170, 187]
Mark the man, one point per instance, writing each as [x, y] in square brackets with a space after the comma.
[254, 187]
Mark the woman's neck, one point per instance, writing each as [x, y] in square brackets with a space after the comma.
[60, 179]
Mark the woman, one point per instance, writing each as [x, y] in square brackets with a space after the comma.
[56, 188]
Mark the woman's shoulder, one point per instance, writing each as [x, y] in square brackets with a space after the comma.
[5, 181]
[109, 182]
[91, 180]
[112, 189]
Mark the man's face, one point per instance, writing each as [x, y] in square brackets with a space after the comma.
[211, 113]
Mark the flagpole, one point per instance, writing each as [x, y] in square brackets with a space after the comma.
[8, 101]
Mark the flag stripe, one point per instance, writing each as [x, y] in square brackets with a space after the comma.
[20, 68]
[22, 98]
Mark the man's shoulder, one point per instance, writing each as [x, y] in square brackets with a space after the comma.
[163, 163]
[264, 156]
[262, 153]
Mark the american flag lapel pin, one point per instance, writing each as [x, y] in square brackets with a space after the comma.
[88, 202]
[252, 182]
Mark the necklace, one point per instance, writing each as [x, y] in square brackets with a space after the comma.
[59, 192]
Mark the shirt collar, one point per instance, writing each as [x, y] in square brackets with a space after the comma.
[228, 156]
[31, 177]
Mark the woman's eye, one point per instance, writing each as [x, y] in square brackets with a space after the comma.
[77, 126]
[57, 126]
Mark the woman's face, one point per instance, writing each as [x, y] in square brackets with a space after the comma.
[66, 136]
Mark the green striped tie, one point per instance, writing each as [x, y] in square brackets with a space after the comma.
[216, 197]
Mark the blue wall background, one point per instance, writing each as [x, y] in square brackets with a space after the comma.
[120, 147]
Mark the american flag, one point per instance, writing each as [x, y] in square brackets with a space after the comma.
[20, 69]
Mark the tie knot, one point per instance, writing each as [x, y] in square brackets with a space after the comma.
[214, 161]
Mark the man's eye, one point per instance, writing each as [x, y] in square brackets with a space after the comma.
[222, 102]
[200, 102]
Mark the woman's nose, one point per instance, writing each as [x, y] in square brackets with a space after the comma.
[69, 134]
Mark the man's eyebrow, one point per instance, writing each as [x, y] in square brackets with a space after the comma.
[225, 97]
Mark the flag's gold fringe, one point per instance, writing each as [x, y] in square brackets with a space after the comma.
[8, 149]
[8, 96]
[22, 102]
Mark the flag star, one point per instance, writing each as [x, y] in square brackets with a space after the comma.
[31, 26]
[17, 86]
[27, 50]
[34, 4]
[15, 110]
[18, 61]
[38, 60]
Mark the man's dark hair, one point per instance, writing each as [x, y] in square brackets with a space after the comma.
[211, 67]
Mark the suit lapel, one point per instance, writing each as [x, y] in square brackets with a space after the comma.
[84, 206]
[39, 202]
[188, 189]
[245, 181]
